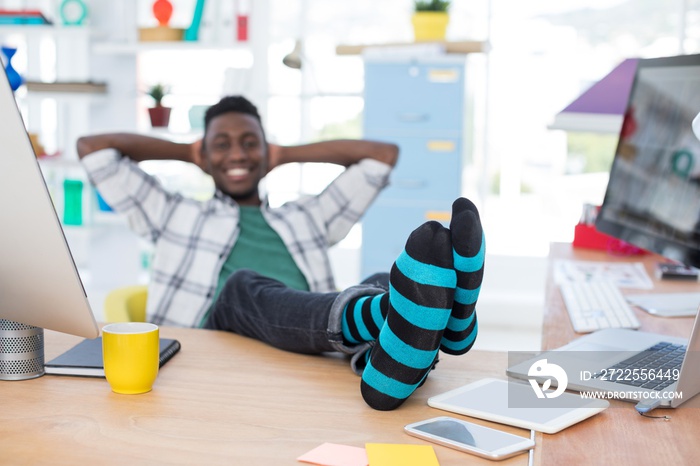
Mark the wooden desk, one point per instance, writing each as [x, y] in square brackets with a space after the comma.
[223, 399]
[226, 399]
[619, 435]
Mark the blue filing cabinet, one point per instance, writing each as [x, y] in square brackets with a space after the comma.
[418, 104]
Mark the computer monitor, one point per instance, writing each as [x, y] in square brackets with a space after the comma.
[39, 283]
[653, 194]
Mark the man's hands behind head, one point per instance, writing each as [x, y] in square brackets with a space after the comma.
[196, 154]
[274, 156]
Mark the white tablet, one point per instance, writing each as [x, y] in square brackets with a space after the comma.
[516, 404]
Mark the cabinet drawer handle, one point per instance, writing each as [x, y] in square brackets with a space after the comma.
[443, 76]
[413, 117]
[441, 146]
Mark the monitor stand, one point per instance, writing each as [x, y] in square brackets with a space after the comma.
[21, 351]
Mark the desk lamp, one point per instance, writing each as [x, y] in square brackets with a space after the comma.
[600, 109]
[696, 126]
[293, 59]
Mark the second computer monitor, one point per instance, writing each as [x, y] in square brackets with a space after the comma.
[653, 194]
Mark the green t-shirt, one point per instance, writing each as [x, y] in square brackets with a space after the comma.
[260, 248]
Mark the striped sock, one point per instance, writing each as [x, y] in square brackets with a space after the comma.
[468, 244]
[422, 283]
[363, 317]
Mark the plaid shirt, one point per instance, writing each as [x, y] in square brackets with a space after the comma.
[193, 238]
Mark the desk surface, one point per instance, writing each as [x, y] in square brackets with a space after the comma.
[620, 435]
[223, 399]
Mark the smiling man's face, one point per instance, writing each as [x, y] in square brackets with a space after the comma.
[235, 155]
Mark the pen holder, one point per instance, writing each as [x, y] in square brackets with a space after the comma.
[21, 351]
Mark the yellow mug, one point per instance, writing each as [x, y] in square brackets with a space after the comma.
[130, 354]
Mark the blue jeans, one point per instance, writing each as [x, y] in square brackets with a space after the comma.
[259, 307]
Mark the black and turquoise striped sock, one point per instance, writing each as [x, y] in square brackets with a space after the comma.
[469, 249]
[422, 285]
[364, 317]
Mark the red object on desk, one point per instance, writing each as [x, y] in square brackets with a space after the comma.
[587, 237]
[242, 28]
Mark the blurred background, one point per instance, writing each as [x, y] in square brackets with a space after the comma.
[528, 176]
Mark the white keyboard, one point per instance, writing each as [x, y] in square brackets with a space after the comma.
[596, 305]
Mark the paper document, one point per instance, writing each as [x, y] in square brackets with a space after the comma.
[622, 274]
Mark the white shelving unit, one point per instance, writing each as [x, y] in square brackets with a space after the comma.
[106, 49]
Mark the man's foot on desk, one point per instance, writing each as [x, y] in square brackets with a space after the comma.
[469, 251]
[422, 287]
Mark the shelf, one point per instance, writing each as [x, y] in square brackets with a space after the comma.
[587, 122]
[130, 48]
[175, 136]
[59, 163]
[461, 47]
[44, 29]
[65, 91]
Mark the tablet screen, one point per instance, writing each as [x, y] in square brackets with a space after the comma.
[490, 400]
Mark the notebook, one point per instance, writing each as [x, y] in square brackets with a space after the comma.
[85, 358]
[593, 364]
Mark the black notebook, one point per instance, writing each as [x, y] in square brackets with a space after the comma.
[85, 358]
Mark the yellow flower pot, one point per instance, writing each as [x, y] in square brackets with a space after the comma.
[429, 25]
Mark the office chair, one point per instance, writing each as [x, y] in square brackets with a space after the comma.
[126, 304]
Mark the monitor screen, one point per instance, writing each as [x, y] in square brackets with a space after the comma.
[653, 195]
[39, 283]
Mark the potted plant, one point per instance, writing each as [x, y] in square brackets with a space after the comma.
[160, 115]
[430, 20]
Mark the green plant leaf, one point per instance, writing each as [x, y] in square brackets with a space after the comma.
[432, 5]
[158, 92]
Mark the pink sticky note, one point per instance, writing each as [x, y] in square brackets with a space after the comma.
[332, 454]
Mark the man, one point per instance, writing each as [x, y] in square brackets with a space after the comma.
[199, 244]
[393, 333]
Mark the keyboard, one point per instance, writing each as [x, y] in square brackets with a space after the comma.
[595, 305]
[654, 368]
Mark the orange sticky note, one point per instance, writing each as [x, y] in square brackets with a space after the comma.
[332, 454]
[389, 454]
